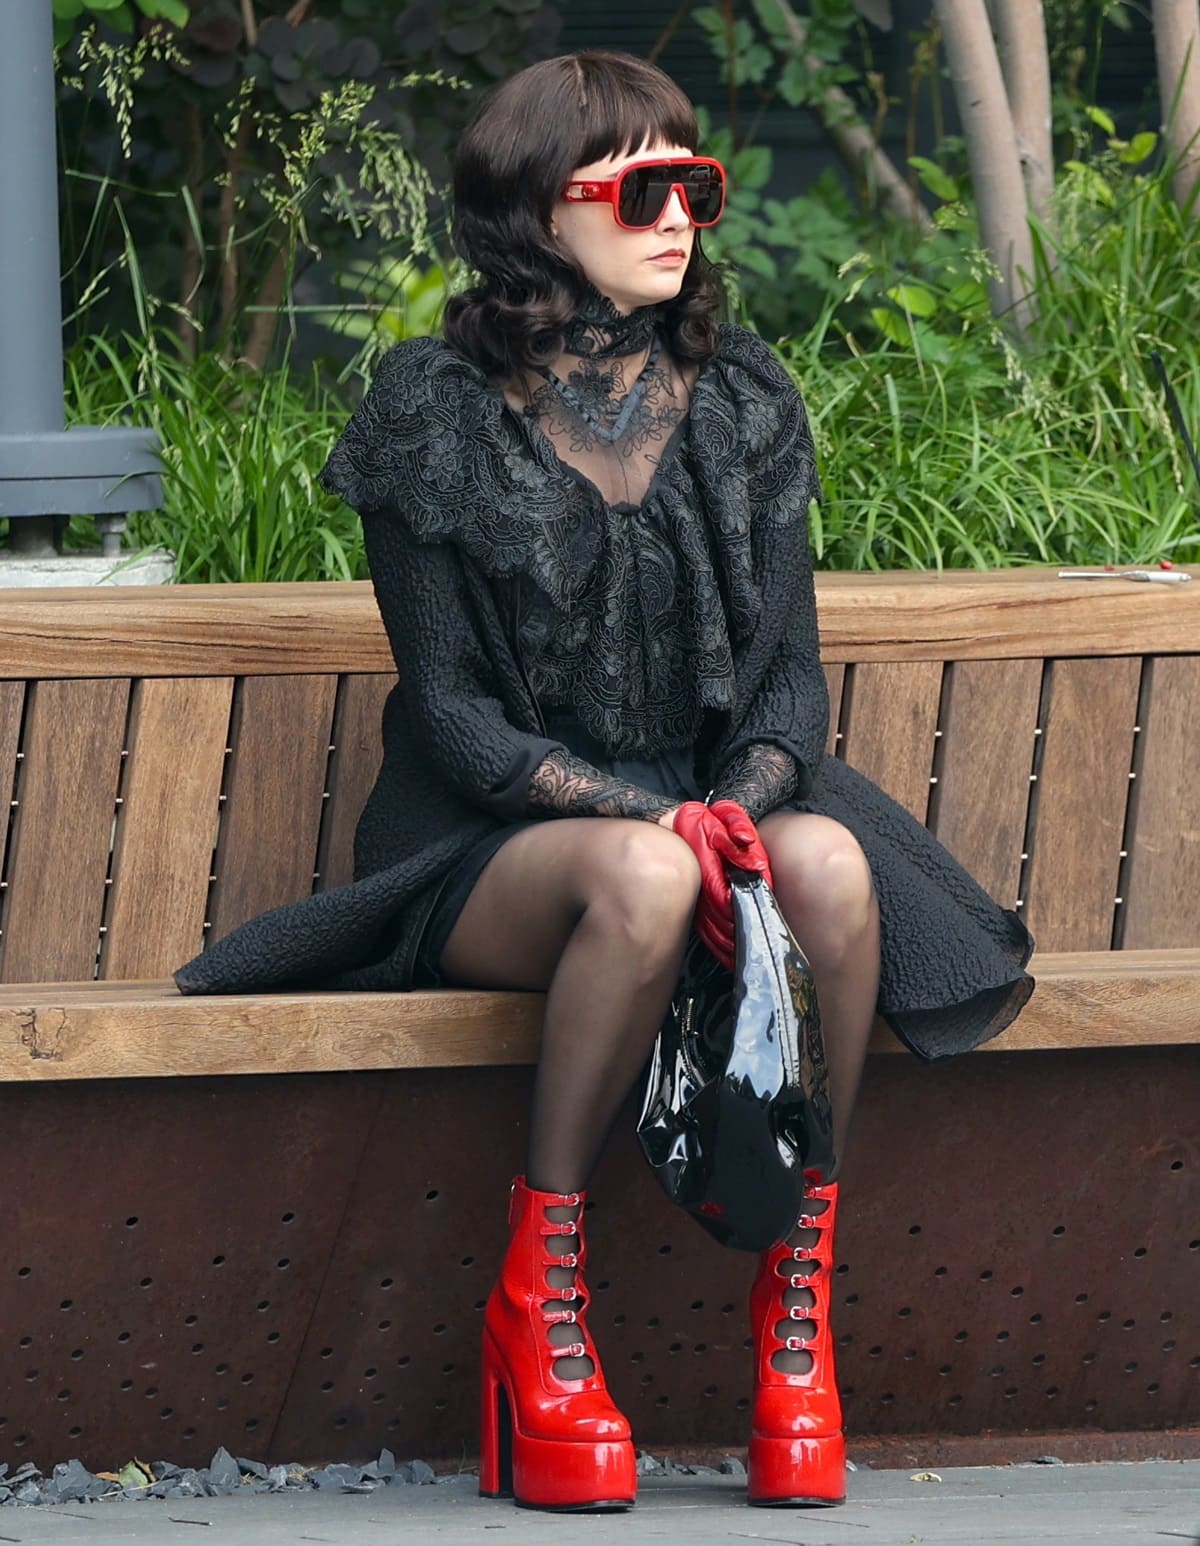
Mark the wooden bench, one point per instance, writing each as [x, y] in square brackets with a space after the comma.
[181, 759]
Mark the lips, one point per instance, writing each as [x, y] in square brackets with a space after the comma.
[671, 252]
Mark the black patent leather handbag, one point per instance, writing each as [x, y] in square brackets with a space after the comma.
[736, 1105]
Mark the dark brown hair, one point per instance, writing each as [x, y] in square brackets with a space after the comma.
[520, 148]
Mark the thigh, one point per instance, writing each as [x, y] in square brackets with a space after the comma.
[532, 893]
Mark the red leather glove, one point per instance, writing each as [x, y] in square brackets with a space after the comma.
[749, 853]
[707, 837]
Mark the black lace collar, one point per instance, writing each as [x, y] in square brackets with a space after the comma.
[599, 331]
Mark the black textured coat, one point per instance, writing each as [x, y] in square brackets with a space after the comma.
[461, 515]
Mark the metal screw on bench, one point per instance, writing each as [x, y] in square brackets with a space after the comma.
[47, 472]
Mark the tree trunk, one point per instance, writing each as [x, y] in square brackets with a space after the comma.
[1177, 47]
[856, 144]
[991, 153]
[1025, 59]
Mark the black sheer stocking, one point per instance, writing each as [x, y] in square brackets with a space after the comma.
[596, 912]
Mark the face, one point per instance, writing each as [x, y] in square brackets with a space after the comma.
[627, 266]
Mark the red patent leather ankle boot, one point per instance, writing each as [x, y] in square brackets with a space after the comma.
[549, 1442]
[797, 1449]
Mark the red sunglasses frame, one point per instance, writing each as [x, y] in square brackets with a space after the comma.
[607, 190]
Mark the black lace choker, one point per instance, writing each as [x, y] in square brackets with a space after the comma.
[599, 331]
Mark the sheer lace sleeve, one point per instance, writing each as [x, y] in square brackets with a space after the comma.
[760, 777]
[565, 785]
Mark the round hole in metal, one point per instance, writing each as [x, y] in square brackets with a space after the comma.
[218, 1261]
[1168, 1346]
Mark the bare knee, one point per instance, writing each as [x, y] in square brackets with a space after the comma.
[823, 880]
[644, 889]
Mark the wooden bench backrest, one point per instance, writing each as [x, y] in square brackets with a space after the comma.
[181, 760]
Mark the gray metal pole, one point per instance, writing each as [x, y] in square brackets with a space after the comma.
[46, 471]
[31, 381]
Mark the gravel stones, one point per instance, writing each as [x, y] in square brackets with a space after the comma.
[225, 1474]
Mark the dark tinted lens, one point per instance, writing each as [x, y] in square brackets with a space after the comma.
[704, 186]
[644, 191]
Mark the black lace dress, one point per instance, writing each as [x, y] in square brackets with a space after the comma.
[598, 590]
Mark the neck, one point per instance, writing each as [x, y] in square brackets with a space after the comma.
[599, 330]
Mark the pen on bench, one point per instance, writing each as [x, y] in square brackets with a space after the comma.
[1155, 576]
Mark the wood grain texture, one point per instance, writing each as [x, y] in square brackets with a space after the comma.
[835, 677]
[167, 825]
[62, 833]
[1162, 881]
[334, 626]
[145, 1030]
[358, 748]
[274, 792]
[1080, 803]
[12, 701]
[889, 735]
[981, 799]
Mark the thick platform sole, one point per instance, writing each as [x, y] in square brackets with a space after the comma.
[796, 1473]
[551, 1474]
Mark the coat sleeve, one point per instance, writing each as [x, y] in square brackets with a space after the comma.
[448, 687]
[781, 736]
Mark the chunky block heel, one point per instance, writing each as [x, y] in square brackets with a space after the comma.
[547, 1442]
[797, 1472]
[797, 1448]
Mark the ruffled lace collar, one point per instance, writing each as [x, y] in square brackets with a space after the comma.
[599, 331]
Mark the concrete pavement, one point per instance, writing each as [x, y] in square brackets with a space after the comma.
[1146, 1503]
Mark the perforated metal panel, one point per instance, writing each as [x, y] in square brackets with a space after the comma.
[296, 1266]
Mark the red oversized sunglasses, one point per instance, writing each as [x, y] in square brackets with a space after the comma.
[640, 191]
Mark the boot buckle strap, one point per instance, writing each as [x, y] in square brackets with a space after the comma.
[796, 1344]
[571, 1350]
[800, 1279]
[565, 1227]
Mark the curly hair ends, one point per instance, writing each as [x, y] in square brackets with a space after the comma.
[514, 158]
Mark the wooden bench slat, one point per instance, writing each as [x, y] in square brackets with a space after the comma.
[889, 735]
[167, 825]
[12, 701]
[1080, 803]
[334, 626]
[63, 829]
[979, 805]
[358, 749]
[267, 845]
[146, 1029]
[835, 677]
[1162, 883]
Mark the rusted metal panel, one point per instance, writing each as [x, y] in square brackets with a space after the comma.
[1017, 1253]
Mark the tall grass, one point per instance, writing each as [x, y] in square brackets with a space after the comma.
[241, 452]
[977, 453]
